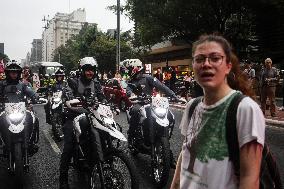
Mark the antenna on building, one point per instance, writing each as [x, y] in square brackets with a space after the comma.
[46, 22]
[69, 6]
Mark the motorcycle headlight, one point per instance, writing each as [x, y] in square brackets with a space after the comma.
[56, 100]
[160, 112]
[16, 117]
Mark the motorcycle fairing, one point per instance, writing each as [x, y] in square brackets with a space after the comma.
[56, 95]
[76, 125]
[15, 109]
[161, 121]
[160, 102]
[32, 114]
[104, 111]
[110, 127]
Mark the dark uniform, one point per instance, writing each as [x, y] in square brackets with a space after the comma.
[13, 90]
[75, 88]
[58, 86]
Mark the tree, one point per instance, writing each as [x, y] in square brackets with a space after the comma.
[160, 20]
[91, 42]
[4, 57]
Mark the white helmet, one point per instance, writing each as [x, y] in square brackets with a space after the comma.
[13, 66]
[88, 61]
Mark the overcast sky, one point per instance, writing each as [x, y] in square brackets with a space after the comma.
[21, 20]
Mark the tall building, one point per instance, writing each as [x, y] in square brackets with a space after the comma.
[59, 30]
[2, 48]
[36, 50]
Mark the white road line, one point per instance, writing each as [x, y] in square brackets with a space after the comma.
[52, 143]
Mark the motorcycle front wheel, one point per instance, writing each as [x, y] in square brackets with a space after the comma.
[18, 164]
[118, 172]
[161, 162]
[57, 125]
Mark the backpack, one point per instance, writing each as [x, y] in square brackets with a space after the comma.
[269, 173]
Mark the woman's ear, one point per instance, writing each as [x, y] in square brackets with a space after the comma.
[229, 67]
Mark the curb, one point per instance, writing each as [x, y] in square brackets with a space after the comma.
[267, 121]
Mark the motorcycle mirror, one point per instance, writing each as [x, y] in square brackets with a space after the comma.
[87, 92]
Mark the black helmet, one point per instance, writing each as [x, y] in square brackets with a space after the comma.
[13, 66]
[59, 73]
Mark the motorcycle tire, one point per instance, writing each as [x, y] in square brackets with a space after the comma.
[115, 178]
[122, 105]
[18, 165]
[57, 127]
[161, 170]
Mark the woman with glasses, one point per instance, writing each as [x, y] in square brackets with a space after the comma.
[204, 159]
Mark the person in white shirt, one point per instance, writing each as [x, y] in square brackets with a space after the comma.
[204, 159]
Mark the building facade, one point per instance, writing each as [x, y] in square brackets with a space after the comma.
[2, 48]
[167, 54]
[59, 30]
[36, 50]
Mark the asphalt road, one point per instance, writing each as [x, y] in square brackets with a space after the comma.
[44, 169]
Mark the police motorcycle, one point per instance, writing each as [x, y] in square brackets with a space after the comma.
[56, 110]
[16, 137]
[108, 166]
[153, 133]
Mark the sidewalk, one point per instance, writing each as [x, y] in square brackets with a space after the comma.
[275, 121]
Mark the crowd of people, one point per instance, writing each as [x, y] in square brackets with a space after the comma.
[204, 158]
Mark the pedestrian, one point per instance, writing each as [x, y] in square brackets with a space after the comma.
[282, 108]
[110, 75]
[204, 159]
[269, 80]
[173, 79]
[250, 74]
[117, 75]
[159, 75]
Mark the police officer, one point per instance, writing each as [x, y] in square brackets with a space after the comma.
[76, 87]
[59, 85]
[147, 83]
[13, 89]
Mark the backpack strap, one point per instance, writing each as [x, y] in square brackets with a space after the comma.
[195, 102]
[232, 133]
[192, 107]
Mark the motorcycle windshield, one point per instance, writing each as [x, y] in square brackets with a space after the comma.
[160, 102]
[57, 94]
[15, 111]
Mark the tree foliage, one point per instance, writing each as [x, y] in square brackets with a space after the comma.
[4, 57]
[91, 42]
[159, 20]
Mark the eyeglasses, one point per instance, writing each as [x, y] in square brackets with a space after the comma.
[213, 59]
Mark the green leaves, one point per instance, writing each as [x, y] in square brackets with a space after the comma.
[4, 57]
[91, 42]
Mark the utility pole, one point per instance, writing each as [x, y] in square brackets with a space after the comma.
[118, 35]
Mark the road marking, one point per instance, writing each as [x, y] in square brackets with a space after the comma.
[52, 143]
